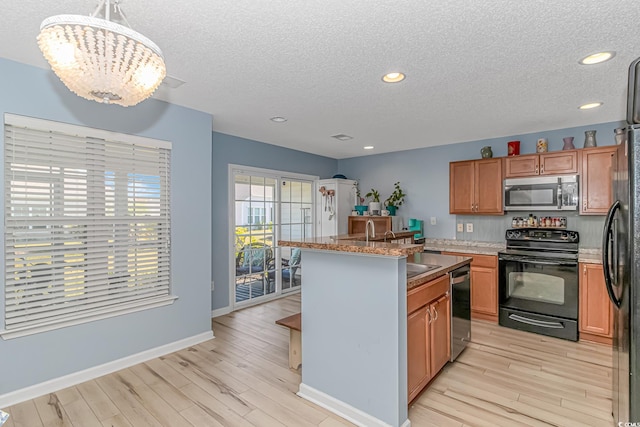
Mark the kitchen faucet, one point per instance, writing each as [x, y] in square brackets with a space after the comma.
[373, 230]
[389, 231]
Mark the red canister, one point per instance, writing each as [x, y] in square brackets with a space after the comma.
[513, 148]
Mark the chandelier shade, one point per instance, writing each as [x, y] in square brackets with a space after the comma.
[101, 60]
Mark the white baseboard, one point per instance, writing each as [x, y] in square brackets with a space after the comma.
[60, 383]
[221, 311]
[342, 409]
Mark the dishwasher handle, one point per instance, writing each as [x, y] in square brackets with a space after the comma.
[460, 279]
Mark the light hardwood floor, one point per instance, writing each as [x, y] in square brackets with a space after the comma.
[241, 378]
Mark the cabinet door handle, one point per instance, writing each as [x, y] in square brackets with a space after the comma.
[541, 168]
[536, 169]
[436, 316]
[584, 205]
[430, 318]
[584, 269]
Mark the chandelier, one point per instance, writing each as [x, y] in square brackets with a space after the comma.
[101, 60]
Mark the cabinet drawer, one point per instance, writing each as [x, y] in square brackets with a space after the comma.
[424, 294]
[489, 261]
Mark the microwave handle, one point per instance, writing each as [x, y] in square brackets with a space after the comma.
[559, 195]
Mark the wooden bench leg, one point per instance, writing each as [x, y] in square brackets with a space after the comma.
[295, 349]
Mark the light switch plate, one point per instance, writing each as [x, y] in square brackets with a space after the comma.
[433, 220]
[469, 227]
[460, 228]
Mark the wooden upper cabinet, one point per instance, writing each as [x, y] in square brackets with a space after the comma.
[596, 180]
[555, 163]
[516, 166]
[461, 190]
[488, 186]
[596, 314]
[475, 187]
[358, 224]
[559, 163]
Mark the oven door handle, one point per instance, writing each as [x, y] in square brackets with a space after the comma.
[534, 322]
[534, 261]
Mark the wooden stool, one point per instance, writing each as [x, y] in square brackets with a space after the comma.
[294, 323]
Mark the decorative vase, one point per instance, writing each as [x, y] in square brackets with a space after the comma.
[590, 139]
[568, 143]
[486, 152]
[542, 145]
[513, 148]
[374, 208]
[392, 210]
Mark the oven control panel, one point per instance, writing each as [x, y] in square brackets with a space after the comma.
[542, 235]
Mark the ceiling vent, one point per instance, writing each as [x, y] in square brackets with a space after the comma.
[342, 137]
[172, 82]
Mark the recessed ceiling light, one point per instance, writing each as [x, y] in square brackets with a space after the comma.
[342, 137]
[393, 77]
[590, 105]
[596, 58]
[278, 119]
[368, 147]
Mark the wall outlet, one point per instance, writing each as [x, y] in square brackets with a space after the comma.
[460, 228]
[469, 227]
[212, 285]
[433, 220]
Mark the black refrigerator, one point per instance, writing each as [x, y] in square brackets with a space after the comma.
[621, 261]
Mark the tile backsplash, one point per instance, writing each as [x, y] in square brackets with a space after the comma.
[492, 228]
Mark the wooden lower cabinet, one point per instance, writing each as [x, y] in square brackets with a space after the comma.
[417, 346]
[484, 286]
[596, 314]
[428, 333]
[440, 333]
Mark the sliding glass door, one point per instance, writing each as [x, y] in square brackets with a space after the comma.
[296, 206]
[268, 206]
[254, 232]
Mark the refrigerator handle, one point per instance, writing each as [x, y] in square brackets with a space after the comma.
[606, 243]
[633, 115]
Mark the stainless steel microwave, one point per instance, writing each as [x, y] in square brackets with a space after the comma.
[541, 193]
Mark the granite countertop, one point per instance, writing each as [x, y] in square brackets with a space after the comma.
[447, 263]
[380, 237]
[464, 246]
[352, 244]
[590, 255]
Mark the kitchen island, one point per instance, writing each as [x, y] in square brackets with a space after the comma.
[354, 324]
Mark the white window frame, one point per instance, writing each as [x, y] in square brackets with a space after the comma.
[119, 228]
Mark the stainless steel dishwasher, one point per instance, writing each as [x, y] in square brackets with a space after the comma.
[460, 282]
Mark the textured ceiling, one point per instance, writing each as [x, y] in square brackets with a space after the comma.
[475, 69]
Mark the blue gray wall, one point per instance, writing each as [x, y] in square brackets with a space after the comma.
[228, 149]
[424, 177]
[25, 361]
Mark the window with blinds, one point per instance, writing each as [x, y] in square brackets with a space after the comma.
[87, 224]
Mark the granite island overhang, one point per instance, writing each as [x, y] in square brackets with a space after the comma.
[354, 324]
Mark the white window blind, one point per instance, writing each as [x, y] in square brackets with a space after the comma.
[87, 224]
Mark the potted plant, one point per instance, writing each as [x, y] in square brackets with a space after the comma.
[359, 206]
[395, 200]
[374, 204]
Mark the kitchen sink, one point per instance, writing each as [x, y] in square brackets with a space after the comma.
[414, 269]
